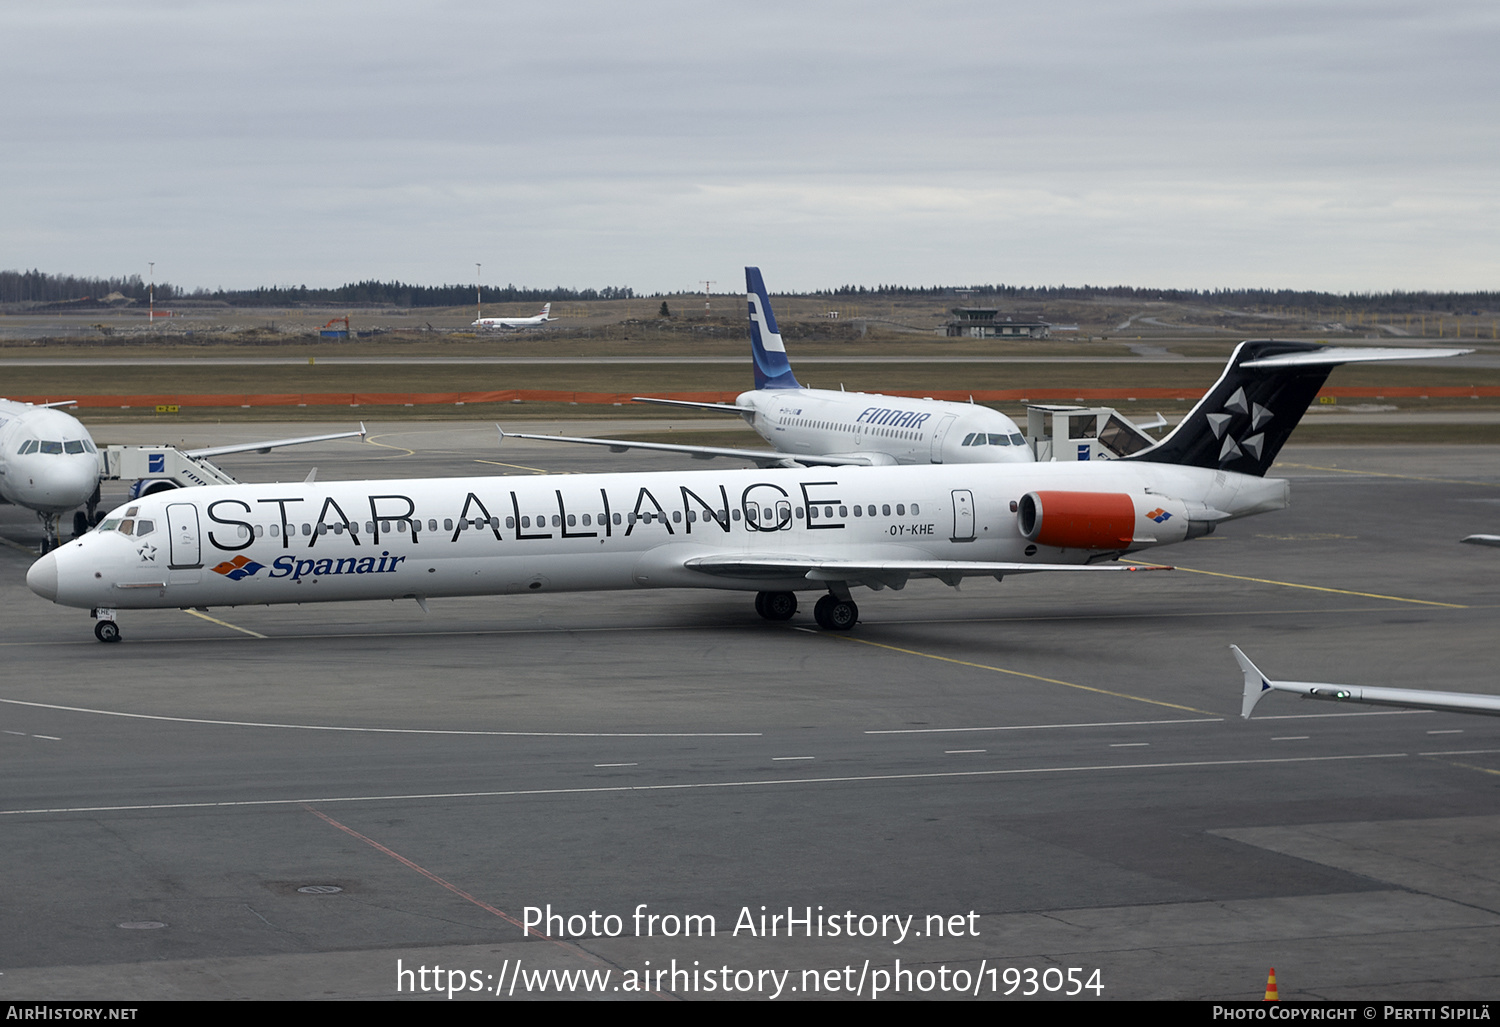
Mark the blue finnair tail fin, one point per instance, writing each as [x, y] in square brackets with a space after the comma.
[772, 370]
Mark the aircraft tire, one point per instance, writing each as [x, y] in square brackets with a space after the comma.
[835, 614]
[776, 605]
[80, 523]
[107, 631]
[46, 546]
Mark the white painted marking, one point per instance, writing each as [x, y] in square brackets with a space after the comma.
[50, 738]
[778, 759]
[1126, 745]
[616, 765]
[954, 752]
[1459, 752]
[1291, 738]
[1449, 731]
[769, 782]
[393, 730]
[1042, 727]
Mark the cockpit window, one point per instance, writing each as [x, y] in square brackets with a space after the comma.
[73, 446]
[109, 525]
[29, 446]
[1017, 439]
[999, 440]
[52, 447]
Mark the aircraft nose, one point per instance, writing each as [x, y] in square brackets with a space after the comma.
[69, 482]
[42, 578]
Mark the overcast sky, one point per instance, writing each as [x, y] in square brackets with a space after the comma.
[1324, 144]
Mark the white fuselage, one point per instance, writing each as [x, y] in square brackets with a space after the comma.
[279, 543]
[822, 422]
[48, 461]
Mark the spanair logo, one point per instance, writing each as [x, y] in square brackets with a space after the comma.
[239, 567]
[1158, 515]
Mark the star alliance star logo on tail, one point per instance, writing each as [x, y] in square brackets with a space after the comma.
[239, 567]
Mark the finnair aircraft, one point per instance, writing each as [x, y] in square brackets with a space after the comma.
[48, 463]
[516, 322]
[774, 532]
[822, 427]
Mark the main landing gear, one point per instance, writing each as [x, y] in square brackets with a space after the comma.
[835, 614]
[776, 605]
[832, 612]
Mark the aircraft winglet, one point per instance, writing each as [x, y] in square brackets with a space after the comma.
[1256, 684]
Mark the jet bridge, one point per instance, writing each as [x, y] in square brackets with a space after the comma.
[1085, 433]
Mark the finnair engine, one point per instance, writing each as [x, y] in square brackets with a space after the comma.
[1105, 520]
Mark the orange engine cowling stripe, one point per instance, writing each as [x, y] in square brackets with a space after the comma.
[1083, 520]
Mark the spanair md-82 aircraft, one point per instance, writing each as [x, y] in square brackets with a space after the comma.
[774, 532]
[516, 322]
[821, 427]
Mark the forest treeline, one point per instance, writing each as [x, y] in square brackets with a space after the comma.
[40, 289]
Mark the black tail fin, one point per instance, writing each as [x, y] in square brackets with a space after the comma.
[1244, 420]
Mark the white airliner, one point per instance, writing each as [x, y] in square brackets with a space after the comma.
[770, 531]
[516, 322]
[1257, 685]
[823, 427]
[48, 463]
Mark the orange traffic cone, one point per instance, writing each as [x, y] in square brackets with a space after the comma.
[1272, 995]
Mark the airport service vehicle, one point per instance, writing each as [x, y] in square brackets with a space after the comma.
[774, 532]
[516, 322]
[49, 463]
[822, 427]
[1257, 685]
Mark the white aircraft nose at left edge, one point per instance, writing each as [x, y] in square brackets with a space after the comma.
[48, 463]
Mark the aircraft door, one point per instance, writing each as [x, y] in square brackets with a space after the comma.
[963, 516]
[939, 434]
[182, 536]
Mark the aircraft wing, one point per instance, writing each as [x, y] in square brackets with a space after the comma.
[728, 408]
[878, 574]
[1257, 685]
[266, 447]
[761, 457]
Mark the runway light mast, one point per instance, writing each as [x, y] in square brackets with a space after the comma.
[708, 288]
[151, 295]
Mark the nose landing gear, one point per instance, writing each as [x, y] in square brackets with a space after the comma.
[106, 630]
[49, 531]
